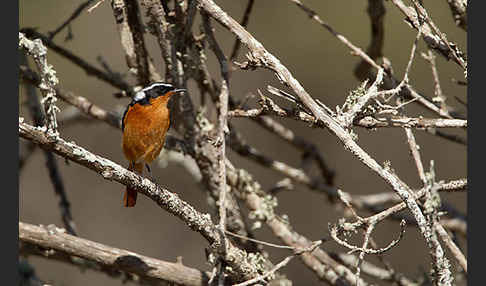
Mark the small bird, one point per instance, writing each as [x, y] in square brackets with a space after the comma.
[144, 124]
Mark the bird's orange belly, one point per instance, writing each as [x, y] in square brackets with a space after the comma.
[144, 134]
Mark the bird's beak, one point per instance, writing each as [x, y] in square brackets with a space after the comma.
[175, 91]
[179, 90]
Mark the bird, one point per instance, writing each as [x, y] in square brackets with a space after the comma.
[145, 123]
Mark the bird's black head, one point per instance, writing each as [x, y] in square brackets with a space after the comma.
[153, 90]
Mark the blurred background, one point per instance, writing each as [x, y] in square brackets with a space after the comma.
[322, 64]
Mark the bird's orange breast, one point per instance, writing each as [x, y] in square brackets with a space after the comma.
[144, 130]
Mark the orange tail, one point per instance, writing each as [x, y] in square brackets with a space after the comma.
[130, 196]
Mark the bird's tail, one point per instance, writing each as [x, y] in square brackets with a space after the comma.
[130, 196]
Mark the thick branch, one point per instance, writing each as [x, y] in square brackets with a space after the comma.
[117, 259]
[237, 259]
[263, 57]
[94, 111]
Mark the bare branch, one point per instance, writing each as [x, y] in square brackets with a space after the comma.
[414, 149]
[129, 23]
[80, 102]
[88, 68]
[261, 208]
[367, 121]
[48, 79]
[39, 118]
[233, 250]
[410, 122]
[390, 82]
[279, 265]
[160, 27]
[376, 11]
[147, 268]
[356, 50]
[235, 258]
[439, 96]
[244, 23]
[374, 271]
[456, 185]
[310, 150]
[71, 18]
[459, 12]
[92, 110]
[222, 126]
[95, 6]
[436, 41]
[456, 252]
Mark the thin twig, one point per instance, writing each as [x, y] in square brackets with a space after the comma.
[376, 11]
[244, 23]
[160, 27]
[455, 184]
[374, 271]
[366, 241]
[222, 126]
[334, 231]
[260, 241]
[280, 265]
[456, 53]
[309, 149]
[356, 50]
[262, 56]
[348, 117]
[39, 119]
[129, 24]
[261, 208]
[436, 41]
[366, 122]
[82, 103]
[439, 96]
[73, 16]
[390, 82]
[414, 149]
[456, 252]
[239, 145]
[75, 59]
[95, 5]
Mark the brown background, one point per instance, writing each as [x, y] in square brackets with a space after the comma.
[318, 60]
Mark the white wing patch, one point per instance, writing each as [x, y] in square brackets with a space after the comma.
[139, 96]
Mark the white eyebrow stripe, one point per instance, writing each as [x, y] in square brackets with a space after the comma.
[156, 84]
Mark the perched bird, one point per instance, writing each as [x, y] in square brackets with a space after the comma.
[144, 124]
